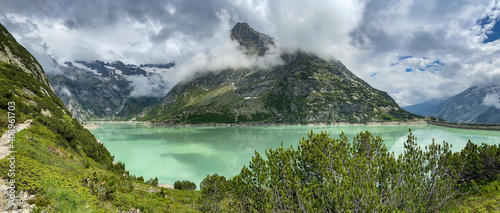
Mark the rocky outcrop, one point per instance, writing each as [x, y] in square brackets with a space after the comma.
[252, 41]
[21, 202]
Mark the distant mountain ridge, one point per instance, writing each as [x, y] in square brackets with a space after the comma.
[305, 89]
[119, 68]
[425, 108]
[97, 90]
[469, 106]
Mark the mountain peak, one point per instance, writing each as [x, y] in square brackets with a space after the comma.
[242, 25]
[251, 40]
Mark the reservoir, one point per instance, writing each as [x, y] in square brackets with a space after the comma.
[190, 153]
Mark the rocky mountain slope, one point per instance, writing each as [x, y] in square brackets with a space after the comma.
[95, 90]
[13, 53]
[474, 105]
[304, 89]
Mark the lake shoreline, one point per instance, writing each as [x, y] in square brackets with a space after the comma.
[490, 127]
[391, 123]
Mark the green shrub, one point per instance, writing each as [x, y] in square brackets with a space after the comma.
[478, 163]
[325, 174]
[184, 185]
[213, 189]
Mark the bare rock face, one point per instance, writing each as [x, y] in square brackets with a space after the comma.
[304, 89]
[13, 53]
[252, 41]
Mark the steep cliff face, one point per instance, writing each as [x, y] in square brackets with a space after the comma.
[305, 88]
[13, 53]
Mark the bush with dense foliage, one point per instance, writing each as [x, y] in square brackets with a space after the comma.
[184, 185]
[213, 189]
[477, 162]
[334, 175]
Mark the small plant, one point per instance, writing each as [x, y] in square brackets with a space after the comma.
[86, 164]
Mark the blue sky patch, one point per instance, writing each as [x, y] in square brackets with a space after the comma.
[435, 63]
[405, 57]
[428, 64]
[485, 21]
[494, 33]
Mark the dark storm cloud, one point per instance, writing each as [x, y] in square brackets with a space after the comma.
[192, 17]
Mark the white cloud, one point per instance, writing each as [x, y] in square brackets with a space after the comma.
[64, 90]
[314, 26]
[221, 52]
[147, 86]
[455, 40]
[492, 100]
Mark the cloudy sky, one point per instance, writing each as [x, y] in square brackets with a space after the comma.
[414, 50]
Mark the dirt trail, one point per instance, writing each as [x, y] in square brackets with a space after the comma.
[5, 151]
[4, 140]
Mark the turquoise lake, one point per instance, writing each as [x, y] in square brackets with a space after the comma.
[190, 153]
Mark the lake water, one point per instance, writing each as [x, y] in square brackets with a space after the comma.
[190, 153]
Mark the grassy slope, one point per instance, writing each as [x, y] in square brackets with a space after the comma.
[56, 156]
